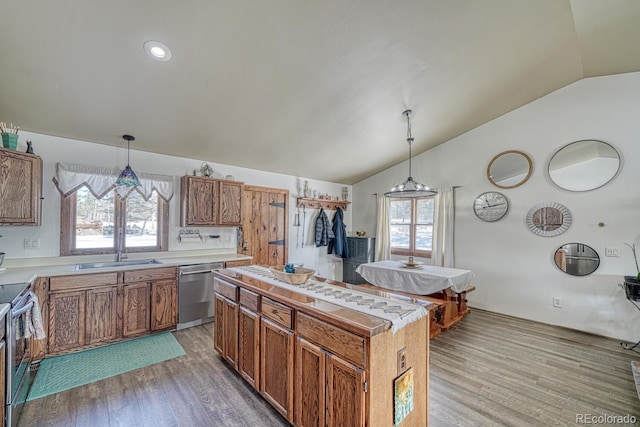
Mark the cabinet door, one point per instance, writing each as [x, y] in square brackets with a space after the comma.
[218, 325]
[230, 332]
[249, 346]
[276, 367]
[310, 384]
[20, 188]
[230, 203]
[199, 201]
[164, 313]
[101, 314]
[135, 311]
[344, 393]
[67, 320]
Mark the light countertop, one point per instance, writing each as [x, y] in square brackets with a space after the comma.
[26, 270]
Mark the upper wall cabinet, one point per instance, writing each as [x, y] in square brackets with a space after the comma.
[584, 165]
[210, 202]
[20, 188]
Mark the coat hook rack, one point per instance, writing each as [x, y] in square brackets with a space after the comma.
[322, 203]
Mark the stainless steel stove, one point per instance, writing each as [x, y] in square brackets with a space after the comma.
[18, 357]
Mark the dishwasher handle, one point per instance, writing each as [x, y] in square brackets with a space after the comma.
[182, 273]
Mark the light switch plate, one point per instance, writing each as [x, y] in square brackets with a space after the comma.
[403, 363]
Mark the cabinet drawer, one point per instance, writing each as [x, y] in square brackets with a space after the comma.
[349, 346]
[227, 289]
[249, 299]
[151, 274]
[281, 314]
[241, 263]
[63, 283]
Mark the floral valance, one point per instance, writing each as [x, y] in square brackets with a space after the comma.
[101, 180]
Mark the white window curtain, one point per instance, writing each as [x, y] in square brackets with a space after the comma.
[443, 221]
[100, 180]
[383, 239]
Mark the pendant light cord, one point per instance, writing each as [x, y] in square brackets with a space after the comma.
[409, 137]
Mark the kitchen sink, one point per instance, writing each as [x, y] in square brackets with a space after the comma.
[90, 265]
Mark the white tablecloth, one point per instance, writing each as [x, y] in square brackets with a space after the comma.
[425, 280]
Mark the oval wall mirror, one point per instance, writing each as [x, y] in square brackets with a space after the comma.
[584, 165]
[509, 169]
[576, 259]
[548, 219]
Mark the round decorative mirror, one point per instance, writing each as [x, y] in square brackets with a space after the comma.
[509, 169]
[584, 165]
[576, 259]
[548, 219]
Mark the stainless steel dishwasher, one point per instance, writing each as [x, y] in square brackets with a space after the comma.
[195, 294]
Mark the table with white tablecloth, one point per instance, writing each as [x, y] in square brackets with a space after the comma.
[446, 287]
[423, 280]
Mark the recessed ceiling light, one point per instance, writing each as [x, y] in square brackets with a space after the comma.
[156, 50]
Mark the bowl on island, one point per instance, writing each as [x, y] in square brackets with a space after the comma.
[300, 276]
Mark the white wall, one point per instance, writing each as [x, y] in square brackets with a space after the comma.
[53, 149]
[514, 268]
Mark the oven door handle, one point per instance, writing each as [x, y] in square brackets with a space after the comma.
[21, 311]
[182, 273]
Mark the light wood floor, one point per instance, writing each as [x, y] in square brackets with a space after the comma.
[489, 370]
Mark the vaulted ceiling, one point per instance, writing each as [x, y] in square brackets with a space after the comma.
[303, 87]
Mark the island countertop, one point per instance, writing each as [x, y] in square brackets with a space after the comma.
[362, 323]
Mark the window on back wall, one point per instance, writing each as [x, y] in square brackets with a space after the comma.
[101, 226]
[411, 226]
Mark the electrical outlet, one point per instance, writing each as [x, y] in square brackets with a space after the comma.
[611, 252]
[32, 243]
[557, 302]
[402, 360]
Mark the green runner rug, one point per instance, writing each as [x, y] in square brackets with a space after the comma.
[61, 373]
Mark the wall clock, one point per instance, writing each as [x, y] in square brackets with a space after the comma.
[491, 206]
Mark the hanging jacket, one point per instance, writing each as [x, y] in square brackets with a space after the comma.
[339, 244]
[323, 229]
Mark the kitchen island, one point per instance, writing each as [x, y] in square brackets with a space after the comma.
[323, 362]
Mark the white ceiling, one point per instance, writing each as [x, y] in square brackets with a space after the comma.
[311, 88]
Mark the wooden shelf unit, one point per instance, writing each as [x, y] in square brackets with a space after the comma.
[304, 202]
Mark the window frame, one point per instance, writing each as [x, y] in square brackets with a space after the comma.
[412, 229]
[68, 228]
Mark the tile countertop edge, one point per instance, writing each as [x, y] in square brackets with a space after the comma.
[24, 274]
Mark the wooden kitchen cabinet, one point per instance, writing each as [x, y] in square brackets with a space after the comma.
[67, 320]
[329, 391]
[276, 366]
[101, 314]
[310, 384]
[86, 310]
[249, 337]
[345, 393]
[334, 387]
[230, 203]
[226, 329]
[210, 202]
[20, 188]
[164, 300]
[321, 366]
[136, 317]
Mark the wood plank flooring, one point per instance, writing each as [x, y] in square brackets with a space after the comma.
[489, 370]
